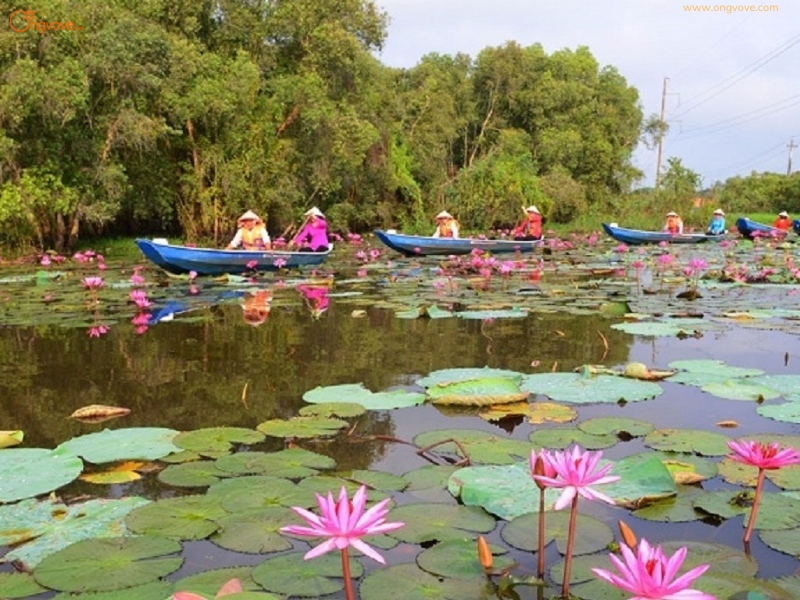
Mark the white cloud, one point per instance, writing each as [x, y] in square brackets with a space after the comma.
[646, 40]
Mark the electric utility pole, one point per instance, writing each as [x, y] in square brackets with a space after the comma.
[791, 146]
[661, 131]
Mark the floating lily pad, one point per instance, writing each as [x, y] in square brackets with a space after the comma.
[409, 582]
[656, 328]
[214, 442]
[343, 410]
[510, 313]
[208, 583]
[108, 564]
[156, 589]
[48, 526]
[185, 518]
[378, 480]
[740, 389]
[716, 368]
[446, 376]
[428, 522]
[705, 443]
[785, 540]
[788, 412]
[431, 312]
[28, 472]
[123, 472]
[458, 558]
[521, 532]
[357, 393]
[618, 426]
[579, 388]
[193, 474]
[787, 385]
[302, 427]
[18, 585]
[255, 531]
[255, 492]
[562, 437]
[687, 468]
[482, 447]
[139, 443]
[293, 462]
[477, 392]
[776, 510]
[641, 476]
[536, 412]
[674, 509]
[290, 575]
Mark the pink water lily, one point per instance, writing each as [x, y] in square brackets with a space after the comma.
[344, 523]
[650, 575]
[576, 472]
[93, 283]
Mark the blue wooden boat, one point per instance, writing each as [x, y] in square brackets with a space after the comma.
[211, 261]
[796, 226]
[750, 229]
[637, 236]
[420, 245]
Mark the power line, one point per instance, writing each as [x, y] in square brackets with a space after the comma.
[738, 120]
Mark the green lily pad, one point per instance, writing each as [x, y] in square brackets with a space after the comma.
[142, 443]
[510, 313]
[740, 389]
[618, 426]
[787, 385]
[656, 328]
[108, 564]
[185, 518]
[254, 492]
[207, 583]
[343, 410]
[302, 427]
[357, 393]
[255, 531]
[482, 447]
[787, 478]
[578, 388]
[687, 468]
[28, 472]
[293, 462]
[431, 312]
[378, 480]
[192, 474]
[674, 509]
[522, 532]
[214, 442]
[290, 575]
[705, 443]
[428, 522]
[156, 589]
[447, 376]
[640, 476]
[562, 437]
[776, 510]
[18, 585]
[716, 368]
[409, 582]
[477, 392]
[458, 558]
[785, 540]
[788, 412]
[46, 526]
[535, 412]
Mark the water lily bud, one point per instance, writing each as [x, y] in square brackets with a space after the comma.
[627, 535]
[485, 554]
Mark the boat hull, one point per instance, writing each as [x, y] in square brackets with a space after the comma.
[420, 245]
[637, 236]
[751, 229]
[211, 261]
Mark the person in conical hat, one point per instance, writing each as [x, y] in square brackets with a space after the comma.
[717, 225]
[313, 234]
[530, 228]
[446, 226]
[673, 224]
[783, 222]
[256, 307]
[252, 233]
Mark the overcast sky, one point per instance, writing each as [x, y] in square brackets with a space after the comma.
[733, 96]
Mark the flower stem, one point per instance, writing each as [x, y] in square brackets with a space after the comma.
[541, 534]
[573, 518]
[754, 511]
[348, 580]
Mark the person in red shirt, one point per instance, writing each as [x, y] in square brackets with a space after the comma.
[531, 227]
[674, 223]
[783, 222]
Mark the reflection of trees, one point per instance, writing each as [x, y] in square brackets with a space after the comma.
[188, 375]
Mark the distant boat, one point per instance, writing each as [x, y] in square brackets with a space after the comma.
[212, 261]
[750, 229]
[420, 245]
[637, 236]
[796, 226]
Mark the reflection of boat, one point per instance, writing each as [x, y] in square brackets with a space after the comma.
[167, 310]
[749, 229]
[796, 226]
[420, 245]
[211, 261]
[637, 236]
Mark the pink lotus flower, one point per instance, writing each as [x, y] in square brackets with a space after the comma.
[649, 574]
[252, 264]
[344, 523]
[192, 275]
[279, 262]
[97, 331]
[575, 473]
[234, 586]
[139, 298]
[137, 279]
[763, 456]
[93, 283]
[45, 262]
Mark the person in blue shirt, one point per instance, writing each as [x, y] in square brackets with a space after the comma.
[717, 225]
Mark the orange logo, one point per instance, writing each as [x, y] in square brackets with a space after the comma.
[23, 20]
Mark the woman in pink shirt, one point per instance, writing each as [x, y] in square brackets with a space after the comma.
[313, 237]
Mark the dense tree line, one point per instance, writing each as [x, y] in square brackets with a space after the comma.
[154, 116]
